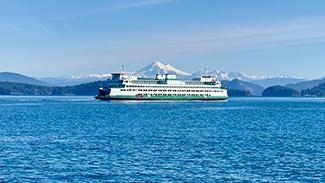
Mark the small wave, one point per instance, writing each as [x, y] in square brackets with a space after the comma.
[226, 108]
[21, 104]
[18, 138]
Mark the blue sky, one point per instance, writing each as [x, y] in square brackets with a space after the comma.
[75, 37]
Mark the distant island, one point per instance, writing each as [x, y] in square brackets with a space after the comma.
[318, 91]
[9, 88]
[280, 91]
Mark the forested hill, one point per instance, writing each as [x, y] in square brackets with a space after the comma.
[318, 91]
[9, 88]
[280, 91]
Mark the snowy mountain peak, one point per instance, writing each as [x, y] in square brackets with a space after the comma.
[159, 68]
[98, 76]
[221, 75]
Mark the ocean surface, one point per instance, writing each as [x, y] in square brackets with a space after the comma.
[78, 139]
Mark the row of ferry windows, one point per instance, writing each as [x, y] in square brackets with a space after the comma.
[157, 82]
[162, 86]
[176, 94]
[171, 90]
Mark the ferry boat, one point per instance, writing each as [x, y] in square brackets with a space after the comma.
[122, 86]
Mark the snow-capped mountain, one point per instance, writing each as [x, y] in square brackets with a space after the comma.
[92, 76]
[264, 81]
[75, 80]
[221, 75]
[159, 68]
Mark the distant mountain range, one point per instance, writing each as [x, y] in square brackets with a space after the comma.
[221, 75]
[305, 84]
[239, 84]
[75, 80]
[272, 81]
[161, 68]
[19, 78]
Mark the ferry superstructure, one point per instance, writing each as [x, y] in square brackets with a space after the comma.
[122, 86]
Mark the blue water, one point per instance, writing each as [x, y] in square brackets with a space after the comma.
[49, 139]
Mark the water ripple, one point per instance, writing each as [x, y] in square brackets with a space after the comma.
[78, 139]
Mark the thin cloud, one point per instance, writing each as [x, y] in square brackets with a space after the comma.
[41, 27]
[290, 33]
[110, 9]
[283, 30]
[139, 4]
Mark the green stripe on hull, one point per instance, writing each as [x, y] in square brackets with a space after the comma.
[132, 97]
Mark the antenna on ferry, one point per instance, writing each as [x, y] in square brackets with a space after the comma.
[122, 69]
[205, 71]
